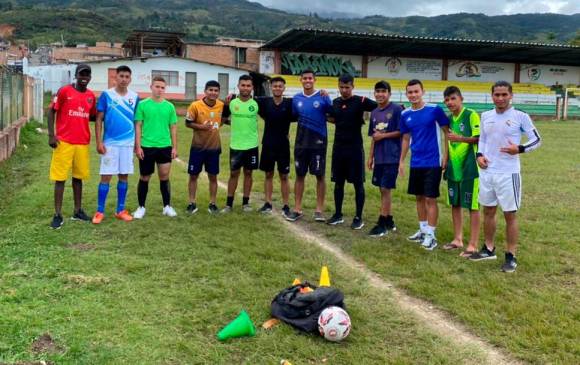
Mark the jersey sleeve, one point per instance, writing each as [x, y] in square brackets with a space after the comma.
[368, 104]
[58, 99]
[191, 115]
[482, 144]
[371, 126]
[139, 115]
[102, 103]
[93, 111]
[441, 117]
[173, 116]
[328, 104]
[474, 122]
[534, 140]
[396, 121]
[403, 125]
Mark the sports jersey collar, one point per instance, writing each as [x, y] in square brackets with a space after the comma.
[505, 111]
[386, 107]
[459, 115]
[313, 94]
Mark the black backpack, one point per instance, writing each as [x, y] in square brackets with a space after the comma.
[301, 310]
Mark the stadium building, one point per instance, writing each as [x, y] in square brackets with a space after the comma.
[539, 72]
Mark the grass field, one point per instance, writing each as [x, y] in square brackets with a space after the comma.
[157, 291]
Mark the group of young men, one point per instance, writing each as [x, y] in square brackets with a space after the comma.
[479, 158]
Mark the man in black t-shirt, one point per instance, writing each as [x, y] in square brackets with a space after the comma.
[277, 114]
[348, 159]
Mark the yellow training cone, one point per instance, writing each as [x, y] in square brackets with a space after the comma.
[324, 277]
[296, 282]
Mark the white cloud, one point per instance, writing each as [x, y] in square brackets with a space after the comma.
[397, 8]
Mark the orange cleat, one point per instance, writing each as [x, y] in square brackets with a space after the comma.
[98, 217]
[124, 216]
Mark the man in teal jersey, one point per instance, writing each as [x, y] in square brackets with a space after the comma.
[155, 144]
[243, 142]
[462, 173]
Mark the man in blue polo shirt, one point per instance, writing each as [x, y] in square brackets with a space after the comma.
[421, 123]
[310, 107]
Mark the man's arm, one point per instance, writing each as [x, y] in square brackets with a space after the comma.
[173, 130]
[52, 140]
[138, 149]
[101, 149]
[405, 143]
[377, 136]
[371, 160]
[445, 129]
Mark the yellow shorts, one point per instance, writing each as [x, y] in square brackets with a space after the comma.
[66, 156]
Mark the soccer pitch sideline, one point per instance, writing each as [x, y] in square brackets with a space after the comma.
[156, 291]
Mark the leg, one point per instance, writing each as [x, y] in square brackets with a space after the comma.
[77, 185]
[457, 216]
[285, 188]
[143, 189]
[512, 232]
[163, 171]
[248, 181]
[213, 187]
[359, 190]
[432, 212]
[320, 193]
[421, 208]
[192, 186]
[103, 191]
[122, 187]
[489, 226]
[385, 202]
[474, 230]
[58, 196]
[338, 196]
[232, 186]
[269, 186]
[298, 193]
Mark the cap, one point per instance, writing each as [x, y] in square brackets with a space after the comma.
[82, 67]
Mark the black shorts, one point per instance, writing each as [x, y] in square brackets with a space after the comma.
[348, 163]
[425, 181]
[248, 159]
[152, 156]
[199, 158]
[385, 175]
[274, 155]
[308, 159]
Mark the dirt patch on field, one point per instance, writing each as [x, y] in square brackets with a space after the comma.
[81, 246]
[45, 344]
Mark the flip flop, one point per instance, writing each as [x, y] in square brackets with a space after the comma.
[466, 253]
[452, 246]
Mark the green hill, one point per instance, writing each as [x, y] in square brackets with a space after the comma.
[88, 21]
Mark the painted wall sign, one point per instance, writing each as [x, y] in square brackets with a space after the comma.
[405, 68]
[323, 65]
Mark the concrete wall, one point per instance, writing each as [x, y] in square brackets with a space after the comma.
[224, 55]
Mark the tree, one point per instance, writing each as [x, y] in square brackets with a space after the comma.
[576, 40]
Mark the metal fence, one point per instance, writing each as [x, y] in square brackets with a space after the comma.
[11, 97]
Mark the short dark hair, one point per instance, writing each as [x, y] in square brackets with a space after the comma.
[383, 85]
[450, 90]
[414, 82]
[346, 79]
[502, 83]
[277, 79]
[212, 83]
[246, 78]
[158, 78]
[124, 68]
[307, 71]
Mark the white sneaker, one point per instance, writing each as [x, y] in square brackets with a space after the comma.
[247, 208]
[169, 211]
[139, 213]
[429, 242]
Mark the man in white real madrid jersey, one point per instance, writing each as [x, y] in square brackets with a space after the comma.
[500, 182]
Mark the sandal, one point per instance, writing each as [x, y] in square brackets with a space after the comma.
[466, 253]
[452, 246]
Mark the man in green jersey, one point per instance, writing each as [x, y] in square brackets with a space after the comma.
[155, 144]
[243, 142]
[462, 172]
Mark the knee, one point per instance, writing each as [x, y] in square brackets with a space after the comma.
[212, 178]
[270, 175]
[145, 178]
[193, 178]
[284, 177]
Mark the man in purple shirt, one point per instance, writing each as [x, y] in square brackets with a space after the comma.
[385, 153]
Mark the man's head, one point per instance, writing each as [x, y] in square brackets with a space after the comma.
[278, 85]
[83, 75]
[345, 85]
[212, 90]
[453, 99]
[382, 92]
[245, 86]
[158, 85]
[501, 93]
[123, 76]
[414, 91]
[307, 78]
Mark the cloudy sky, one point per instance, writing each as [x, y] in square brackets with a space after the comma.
[396, 8]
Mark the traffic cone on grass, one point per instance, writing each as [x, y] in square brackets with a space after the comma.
[240, 327]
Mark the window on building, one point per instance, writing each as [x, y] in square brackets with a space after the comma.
[241, 55]
[171, 77]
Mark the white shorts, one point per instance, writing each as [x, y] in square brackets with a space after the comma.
[504, 190]
[117, 160]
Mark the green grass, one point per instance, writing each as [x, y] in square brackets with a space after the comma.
[157, 291]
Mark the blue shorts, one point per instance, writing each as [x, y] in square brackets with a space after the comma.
[198, 158]
[385, 175]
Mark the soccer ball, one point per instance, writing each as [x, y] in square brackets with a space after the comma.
[334, 324]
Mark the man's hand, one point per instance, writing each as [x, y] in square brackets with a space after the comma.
[482, 162]
[207, 125]
[370, 163]
[139, 152]
[511, 149]
[229, 98]
[173, 153]
[377, 136]
[101, 149]
[444, 164]
[52, 141]
[454, 137]
[324, 93]
[401, 169]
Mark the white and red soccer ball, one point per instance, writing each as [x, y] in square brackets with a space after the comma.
[334, 324]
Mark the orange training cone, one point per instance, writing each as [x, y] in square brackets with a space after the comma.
[324, 277]
[239, 327]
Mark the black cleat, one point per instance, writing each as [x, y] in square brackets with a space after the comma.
[57, 221]
[335, 219]
[191, 208]
[357, 223]
[81, 216]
